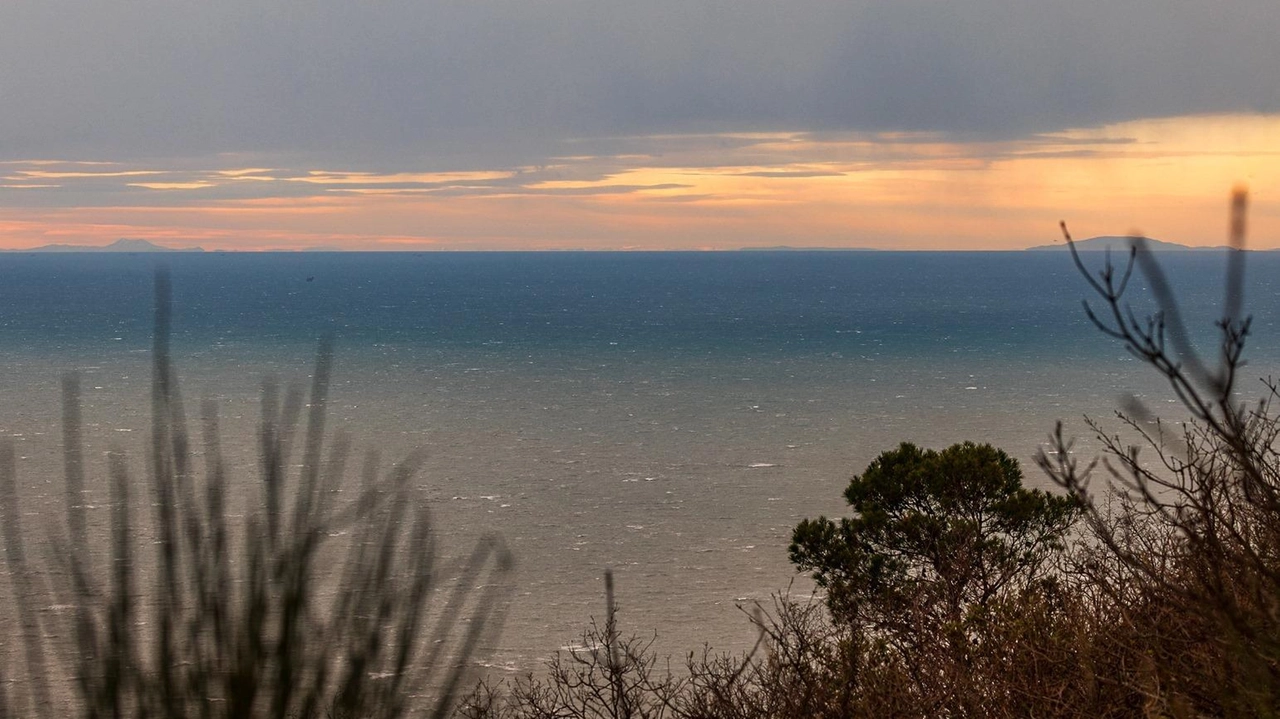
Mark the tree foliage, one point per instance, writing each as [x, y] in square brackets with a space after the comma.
[942, 532]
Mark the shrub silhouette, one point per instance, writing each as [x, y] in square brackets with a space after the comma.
[313, 604]
[1187, 523]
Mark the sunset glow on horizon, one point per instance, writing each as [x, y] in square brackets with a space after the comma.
[910, 191]
[667, 125]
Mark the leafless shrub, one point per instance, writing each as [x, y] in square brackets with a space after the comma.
[1191, 558]
[605, 677]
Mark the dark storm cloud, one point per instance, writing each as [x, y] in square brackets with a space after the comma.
[464, 84]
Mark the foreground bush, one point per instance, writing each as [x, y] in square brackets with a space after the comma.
[1190, 538]
[322, 600]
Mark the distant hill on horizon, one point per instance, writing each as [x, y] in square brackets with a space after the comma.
[1120, 243]
[121, 245]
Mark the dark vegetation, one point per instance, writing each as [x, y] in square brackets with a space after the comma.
[1149, 586]
[324, 598]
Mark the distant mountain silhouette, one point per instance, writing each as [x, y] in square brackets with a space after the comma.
[121, 245]
[1117, 243]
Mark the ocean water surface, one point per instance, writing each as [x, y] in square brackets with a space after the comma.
[668, 415]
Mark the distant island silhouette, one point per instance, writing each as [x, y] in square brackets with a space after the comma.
[1120, 243]
[121, 245]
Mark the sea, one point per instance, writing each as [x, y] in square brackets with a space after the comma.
[666, 416]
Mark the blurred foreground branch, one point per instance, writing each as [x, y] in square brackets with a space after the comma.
[1186, 526]
[319, 600]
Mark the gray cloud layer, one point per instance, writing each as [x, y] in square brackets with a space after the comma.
[504, 82]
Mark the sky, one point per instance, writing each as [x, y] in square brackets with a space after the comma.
[663, 124]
